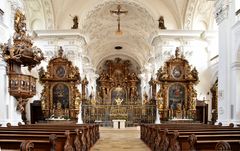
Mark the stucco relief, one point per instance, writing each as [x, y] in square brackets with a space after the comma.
[95, 18]
[221, 10]
[34, 14]
[16, 4]
[189, 14]
[202, 16]
[48, 11]
[39, 14]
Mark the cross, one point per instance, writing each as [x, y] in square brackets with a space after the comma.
[118, 12]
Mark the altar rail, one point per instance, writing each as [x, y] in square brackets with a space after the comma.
[133, 114]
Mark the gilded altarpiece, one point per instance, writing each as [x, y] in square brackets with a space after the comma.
[118, 96]
[177, 96]
[116, 81]
[60, 97]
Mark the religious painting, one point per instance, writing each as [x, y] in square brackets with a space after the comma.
[176, 96]
[60, 72]
[118, 93]
[61, 95]
[176, 72]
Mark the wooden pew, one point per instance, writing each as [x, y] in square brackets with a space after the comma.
[41, 141]
[178, 136]
[26, 145]
[69, 136]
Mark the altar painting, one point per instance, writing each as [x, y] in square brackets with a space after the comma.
[61, 95]
[176, 96]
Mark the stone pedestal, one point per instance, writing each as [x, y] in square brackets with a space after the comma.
[119, 124]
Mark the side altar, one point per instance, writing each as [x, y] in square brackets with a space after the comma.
[176, 98]
[60, 98]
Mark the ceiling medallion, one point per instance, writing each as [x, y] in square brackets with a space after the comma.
[118, 12]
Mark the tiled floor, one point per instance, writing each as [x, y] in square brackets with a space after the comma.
[120, 140]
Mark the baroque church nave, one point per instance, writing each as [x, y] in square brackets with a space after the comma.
[132, 62]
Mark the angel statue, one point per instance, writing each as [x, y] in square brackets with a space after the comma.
[119, 101]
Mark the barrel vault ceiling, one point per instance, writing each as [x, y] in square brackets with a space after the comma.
[139, 25]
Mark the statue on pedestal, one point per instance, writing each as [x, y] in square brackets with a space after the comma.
[178, 112]
[58, 111]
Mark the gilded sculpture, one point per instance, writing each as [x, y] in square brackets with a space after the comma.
[22, 52]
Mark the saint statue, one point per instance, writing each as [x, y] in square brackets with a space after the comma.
[178, 111]
[58, 111]
[161, 23]
[75, 22]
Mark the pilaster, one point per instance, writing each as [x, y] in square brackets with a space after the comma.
[235, 88]
[224, 77]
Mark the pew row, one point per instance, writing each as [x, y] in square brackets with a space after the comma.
[189, 136]
[50, 137]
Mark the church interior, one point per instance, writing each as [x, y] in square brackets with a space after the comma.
[74, 73]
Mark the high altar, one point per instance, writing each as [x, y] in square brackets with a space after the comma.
[176, 98]
[118, 96]
[60, 97]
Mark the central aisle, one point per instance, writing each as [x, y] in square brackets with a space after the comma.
[127, 139]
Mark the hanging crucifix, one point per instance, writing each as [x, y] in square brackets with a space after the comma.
[118, 12]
